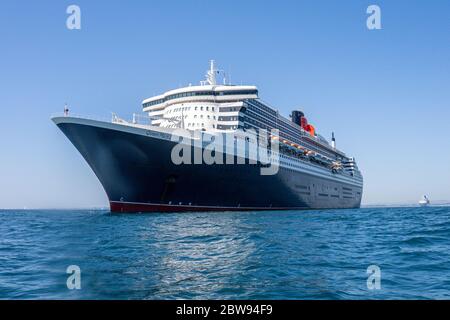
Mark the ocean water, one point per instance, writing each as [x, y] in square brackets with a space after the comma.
[254, 255]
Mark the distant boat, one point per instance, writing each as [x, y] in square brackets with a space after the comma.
[424, 202]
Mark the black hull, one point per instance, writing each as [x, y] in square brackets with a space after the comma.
[138, 175]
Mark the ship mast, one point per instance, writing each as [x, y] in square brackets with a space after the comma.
[211, 75]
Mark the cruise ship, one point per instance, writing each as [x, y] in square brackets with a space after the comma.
[137, 161]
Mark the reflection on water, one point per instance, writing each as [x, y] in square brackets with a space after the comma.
[209, 253]
[266, 255]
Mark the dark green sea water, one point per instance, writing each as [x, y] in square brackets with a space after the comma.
[264, 255]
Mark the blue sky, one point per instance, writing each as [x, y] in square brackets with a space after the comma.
[385, 93]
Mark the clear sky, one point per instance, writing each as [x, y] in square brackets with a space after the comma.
[385, 93]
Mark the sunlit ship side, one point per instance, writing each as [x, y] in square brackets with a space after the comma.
[132, 159]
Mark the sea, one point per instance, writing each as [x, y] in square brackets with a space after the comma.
[368, 253]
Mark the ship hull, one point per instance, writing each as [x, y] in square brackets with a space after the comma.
[135, 169]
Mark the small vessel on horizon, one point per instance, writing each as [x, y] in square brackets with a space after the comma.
[424, 201]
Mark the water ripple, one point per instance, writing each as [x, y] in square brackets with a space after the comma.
[266, 255]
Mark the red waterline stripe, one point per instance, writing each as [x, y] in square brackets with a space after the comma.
[130, 207]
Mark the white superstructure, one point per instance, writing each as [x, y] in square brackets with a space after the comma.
[208, 106]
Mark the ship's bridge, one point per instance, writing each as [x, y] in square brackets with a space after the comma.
[221, 93]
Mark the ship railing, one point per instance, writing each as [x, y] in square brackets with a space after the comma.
[82, 116]
[137, 119]
[142, 119]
